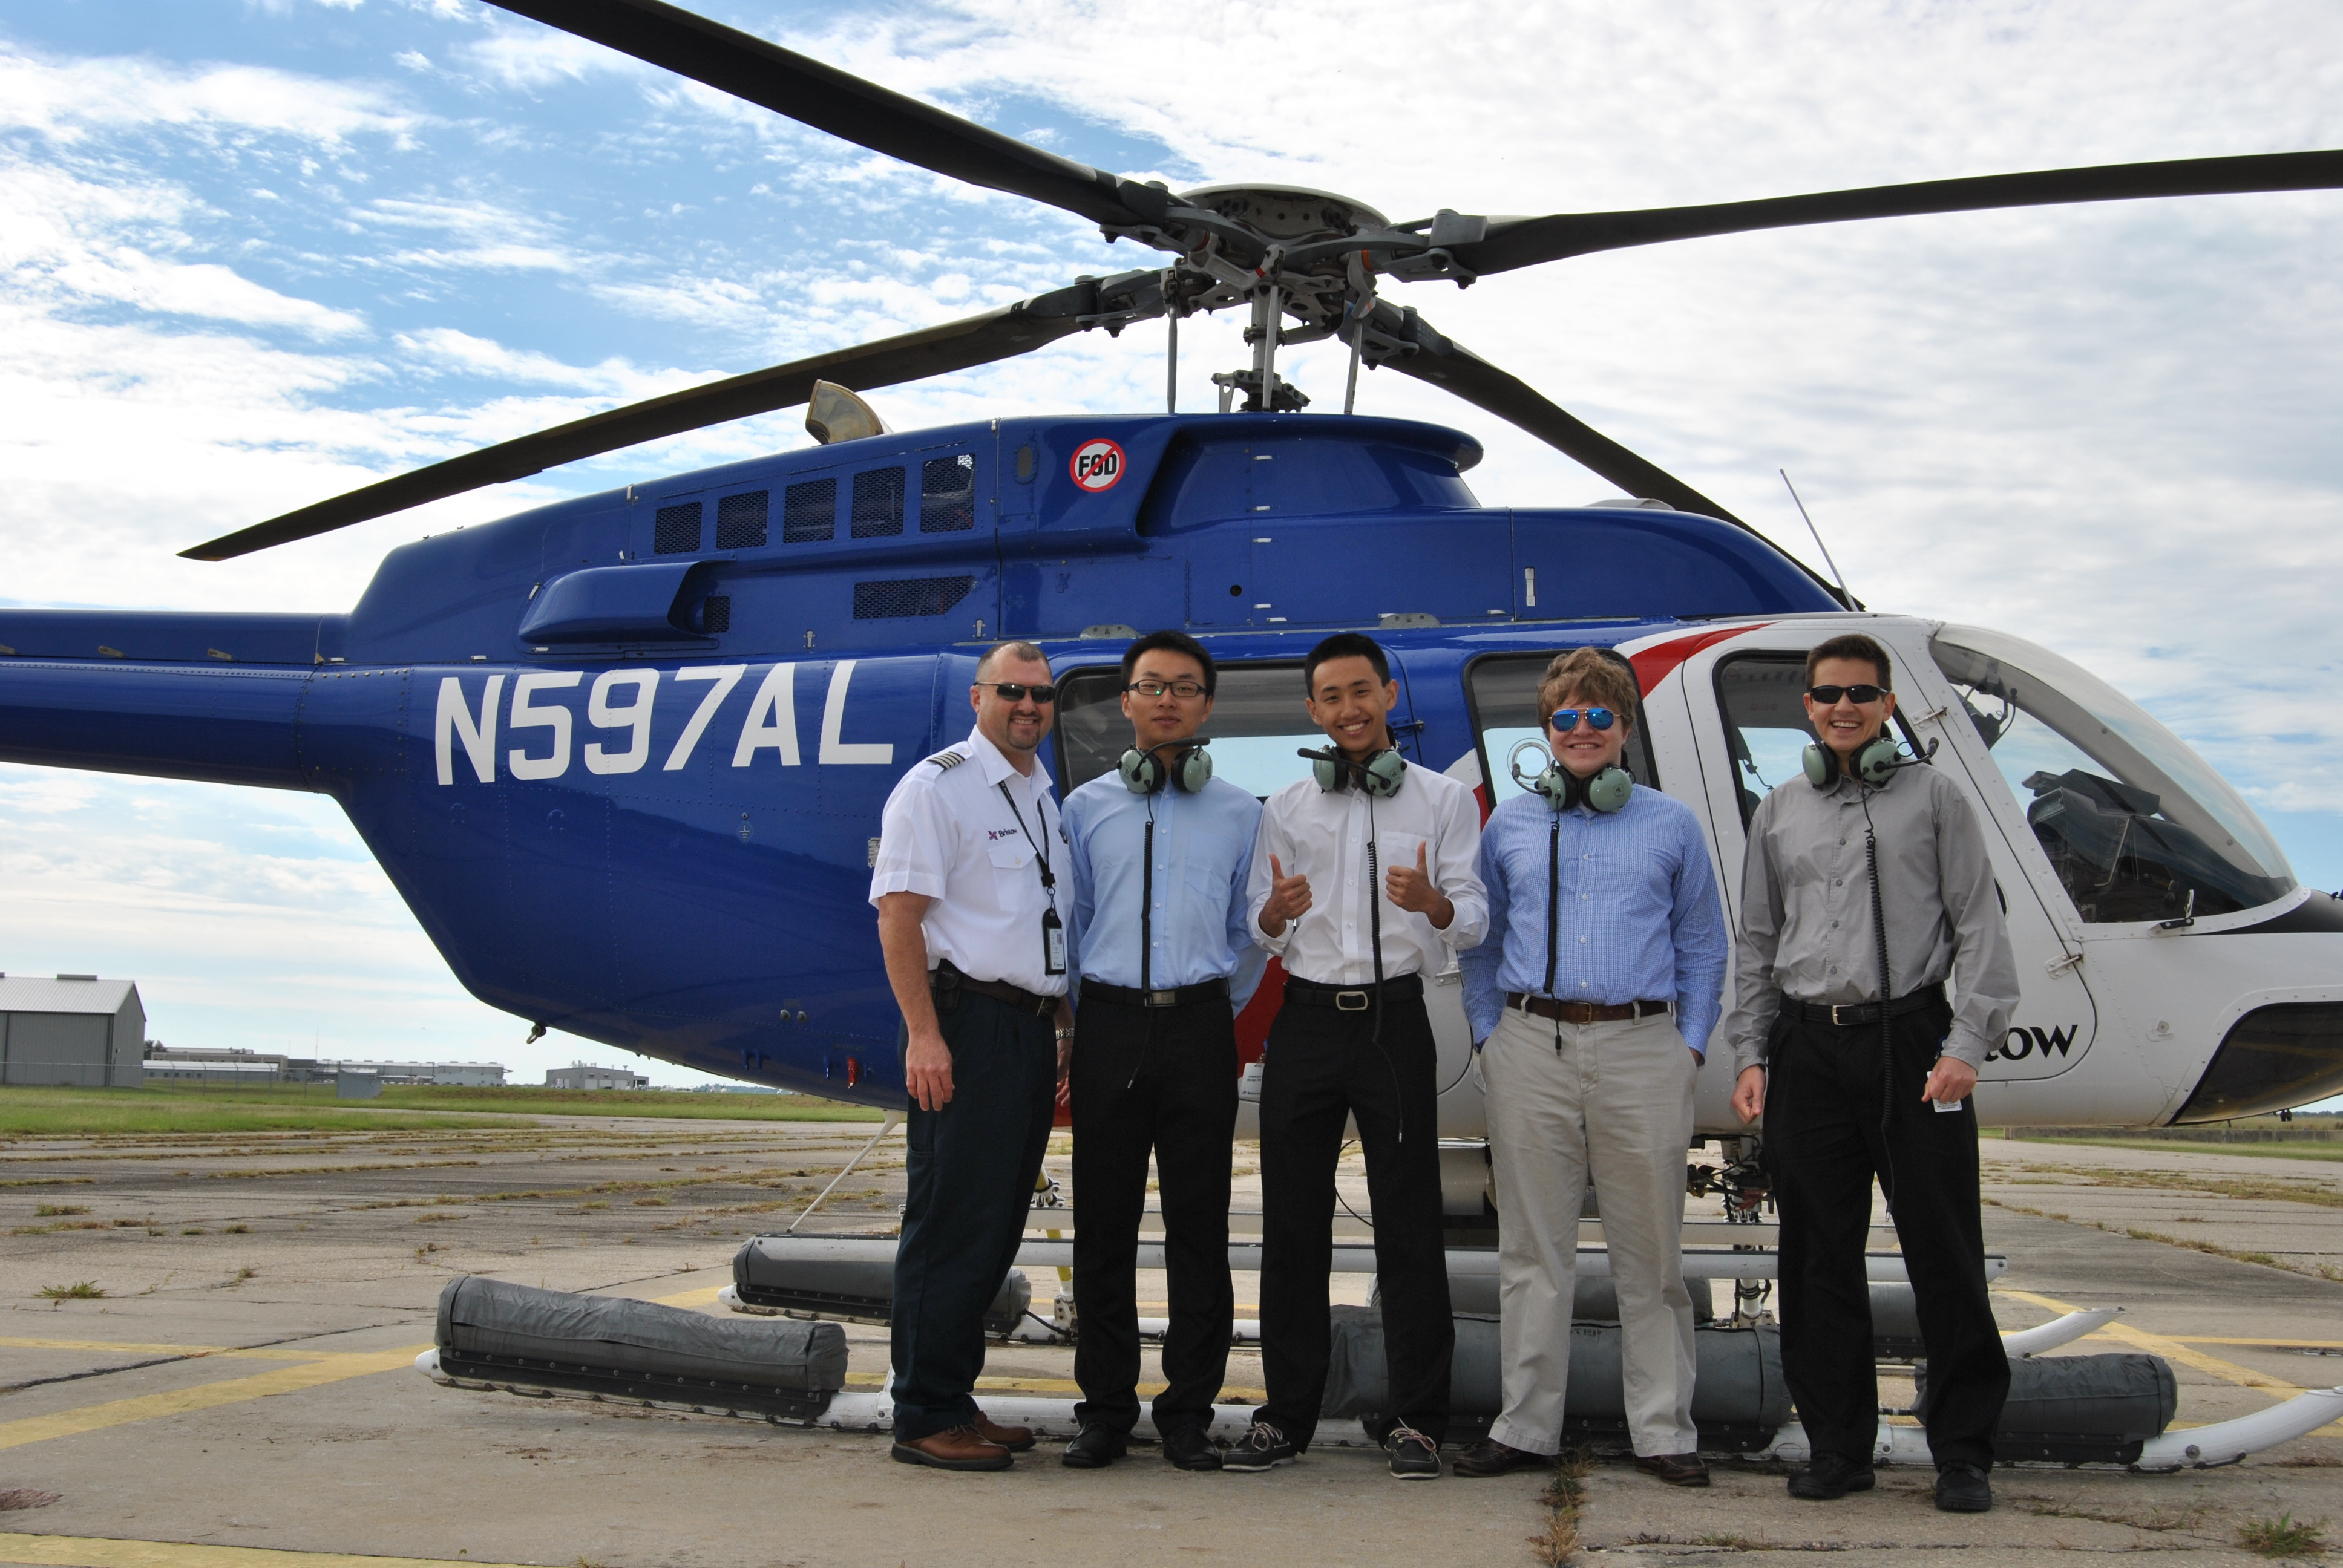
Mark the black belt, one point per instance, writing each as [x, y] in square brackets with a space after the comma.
[1850, 1014]
[1582, 1011]
[948, 977]
[1178, 996]
[1352, 998]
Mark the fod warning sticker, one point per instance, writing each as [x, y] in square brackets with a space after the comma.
[1097, 465]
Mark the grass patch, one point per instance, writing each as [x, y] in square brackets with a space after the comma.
[2326, 1151]
[2283, 1536]
[45, 1209]
[80, 1290]
[2190, 1244]
[32, 1110]
[236, 1229]
[1563, 1498]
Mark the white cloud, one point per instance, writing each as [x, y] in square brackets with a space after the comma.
[67, 99]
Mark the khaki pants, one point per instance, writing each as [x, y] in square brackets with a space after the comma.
[1612, 1102]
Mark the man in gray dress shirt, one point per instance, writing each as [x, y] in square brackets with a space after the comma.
[1871, 865]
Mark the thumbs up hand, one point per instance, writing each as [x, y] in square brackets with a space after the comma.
[1410, 887]
[1289, 899]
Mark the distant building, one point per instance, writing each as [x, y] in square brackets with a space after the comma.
[164, 1065]
[233, 1065]
[74, 1028]
[578, 1075]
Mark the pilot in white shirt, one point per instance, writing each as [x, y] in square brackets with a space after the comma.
[970, 890]
[1364, 880]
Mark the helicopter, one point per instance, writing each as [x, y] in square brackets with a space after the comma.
[623, 755]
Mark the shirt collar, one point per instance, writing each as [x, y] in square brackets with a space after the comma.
[996, 764]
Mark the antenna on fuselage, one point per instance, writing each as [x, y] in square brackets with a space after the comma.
[1844, 594]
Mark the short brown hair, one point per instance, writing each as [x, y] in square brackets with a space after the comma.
[1600, 677]
[1852, 645]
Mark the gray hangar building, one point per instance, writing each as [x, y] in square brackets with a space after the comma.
[74, 1028]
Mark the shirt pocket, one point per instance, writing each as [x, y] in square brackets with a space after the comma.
[1009, 854]
[1393, 850]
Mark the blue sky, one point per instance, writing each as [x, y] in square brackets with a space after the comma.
[259, 251]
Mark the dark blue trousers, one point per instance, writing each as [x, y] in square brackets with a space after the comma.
[971, 1170]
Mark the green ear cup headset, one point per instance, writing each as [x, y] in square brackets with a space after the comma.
[1607, 789]
[1874, 762]
[1379, 776]
[1145, 772]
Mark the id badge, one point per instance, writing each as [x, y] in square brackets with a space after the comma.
[1053, 944]
[1947, 1107]
[1249, 1086]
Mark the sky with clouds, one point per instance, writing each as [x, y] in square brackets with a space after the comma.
[260, 251]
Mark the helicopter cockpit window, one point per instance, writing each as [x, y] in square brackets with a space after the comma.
[2134, 823]
[1258, 724]
[948, 495]
[1763, 700]
[878, 503]
[1502, 693]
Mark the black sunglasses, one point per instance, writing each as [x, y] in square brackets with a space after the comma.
[1828, 696]
[1013, 691]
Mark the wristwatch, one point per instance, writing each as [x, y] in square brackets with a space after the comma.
[1065, 1034]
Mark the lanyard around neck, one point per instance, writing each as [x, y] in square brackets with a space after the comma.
[1041, 856]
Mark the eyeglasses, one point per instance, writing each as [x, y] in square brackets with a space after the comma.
[1013, 692]
[1185, 690]
[1828, 696]
[1565, 719]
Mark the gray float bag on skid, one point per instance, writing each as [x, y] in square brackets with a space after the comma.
[620, 1349]
[1739, 1401]
[789, 1275]
[2076, 1408]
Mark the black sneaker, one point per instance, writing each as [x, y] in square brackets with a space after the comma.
[1963, 1488]
[1414, 1456]
[1832, 1476]
[1259, 1449]
[1095, 1447]
[1190, 1449]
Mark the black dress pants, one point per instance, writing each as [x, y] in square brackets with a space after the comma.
[1322, 1067]
[1824, 1139]
[1163, 1080]
[970, 1169]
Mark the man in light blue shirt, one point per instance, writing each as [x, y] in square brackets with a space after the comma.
[1591, 1002]
[1161, 854]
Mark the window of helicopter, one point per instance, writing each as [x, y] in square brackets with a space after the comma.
[2133, 820]
[1761, 699]
[1258, 724]
[948, 494]
[809, 512]
[740, 520]
[878, 503]
[1500, 692]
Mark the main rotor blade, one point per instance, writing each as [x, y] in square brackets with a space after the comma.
[1524, 242]
[955, 345]
[845, 106]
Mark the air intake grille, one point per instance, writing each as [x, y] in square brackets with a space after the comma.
[906, 597]
[948, 495]
[677, 530]
[878, 503]
[809, 512]
[740, 520]
[716, 612]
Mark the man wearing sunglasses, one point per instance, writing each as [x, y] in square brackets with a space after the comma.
[1159, 852]
[1864, 889]
[1591, 1002]
[969, 883]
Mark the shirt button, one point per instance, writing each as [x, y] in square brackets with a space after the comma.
[1834, 925]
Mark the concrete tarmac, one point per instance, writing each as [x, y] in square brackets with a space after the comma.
[240, 1396]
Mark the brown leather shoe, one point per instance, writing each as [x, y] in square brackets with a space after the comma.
[956, 1448]
[1490, 1457]
[1675, 1468]
[1015, 1439]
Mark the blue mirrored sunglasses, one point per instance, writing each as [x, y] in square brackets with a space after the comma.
[1565, 719]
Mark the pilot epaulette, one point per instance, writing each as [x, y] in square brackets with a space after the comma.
[948, 760]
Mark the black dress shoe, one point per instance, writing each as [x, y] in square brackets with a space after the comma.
[1832, 1476]
[1190, 1449]
[1095, 1447]
[1490, 1457]
[1963, 1488]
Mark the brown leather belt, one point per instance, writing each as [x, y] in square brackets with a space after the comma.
[1582, 1011]
[1017, 997]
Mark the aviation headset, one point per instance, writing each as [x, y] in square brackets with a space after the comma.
[1873, 762]
[1607, 789]
[1145, 772]
[1378, 776]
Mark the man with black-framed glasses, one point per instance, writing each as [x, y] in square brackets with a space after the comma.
[1161, 853]
[1864, 890]
[969, 883]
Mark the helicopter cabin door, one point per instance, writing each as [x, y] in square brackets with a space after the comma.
[1744, 696]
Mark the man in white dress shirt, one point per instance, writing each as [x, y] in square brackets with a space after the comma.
[1364, 880]
[967, 885]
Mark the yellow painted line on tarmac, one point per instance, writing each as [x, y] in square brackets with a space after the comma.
[2302, 1344]
[319, 1371]
[99, 1551]
[109, 1347]
[2173, 1350]
[704, 1297]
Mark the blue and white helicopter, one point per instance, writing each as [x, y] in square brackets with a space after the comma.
[624, 755]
